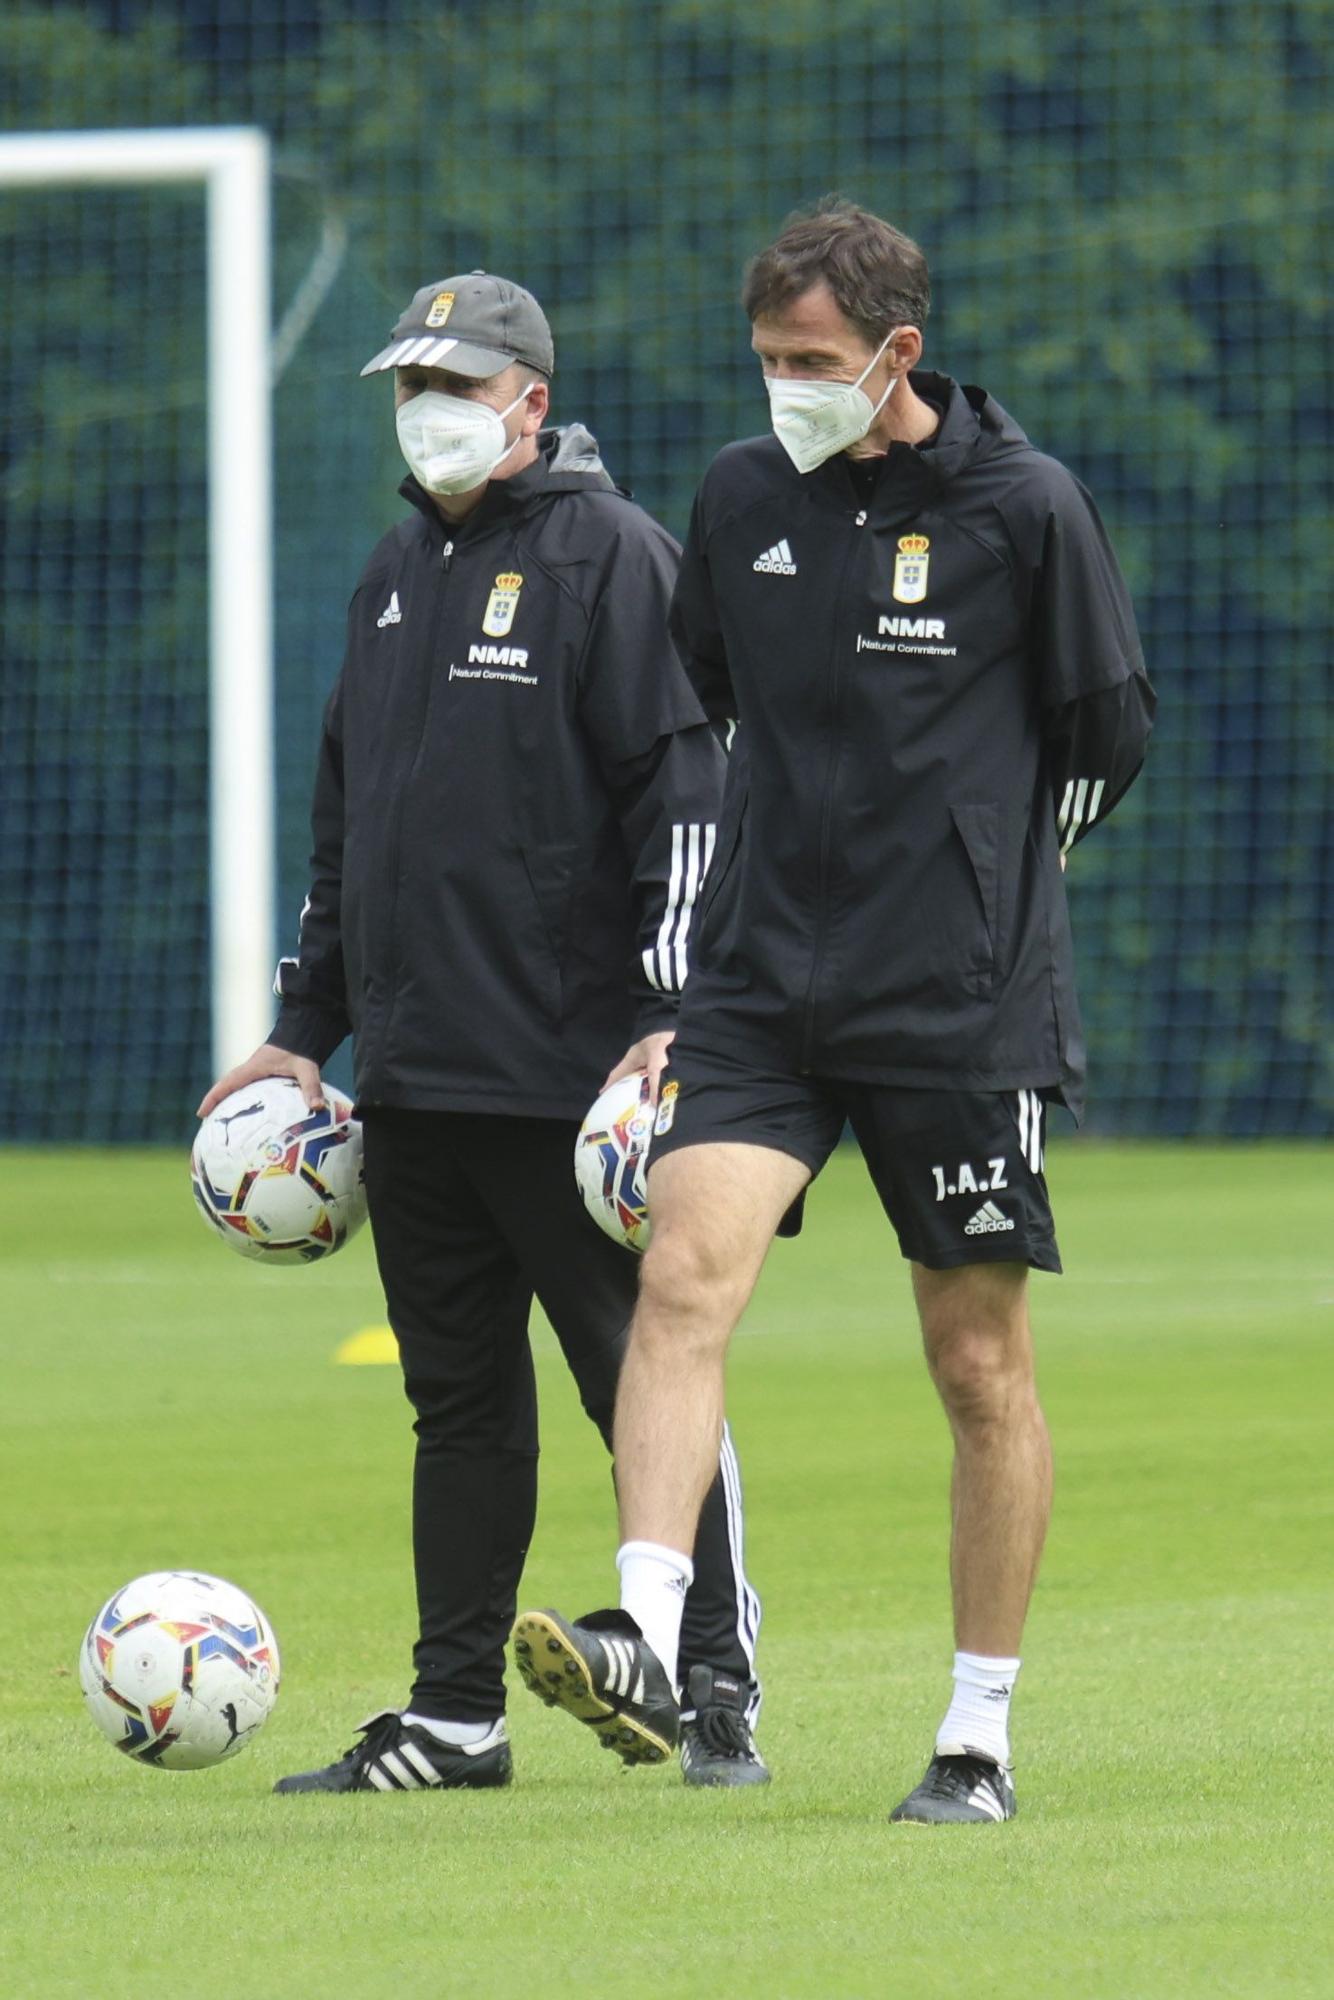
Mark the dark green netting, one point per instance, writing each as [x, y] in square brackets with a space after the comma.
[1125, 208]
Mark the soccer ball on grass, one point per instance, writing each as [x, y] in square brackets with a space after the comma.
[179, 1670]
[276, 1180]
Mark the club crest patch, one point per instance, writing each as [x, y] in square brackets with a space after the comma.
[910, 568]
[442, 305]
[666, 1109]
[502, 604]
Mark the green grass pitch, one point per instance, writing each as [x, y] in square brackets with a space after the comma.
[165, 1404]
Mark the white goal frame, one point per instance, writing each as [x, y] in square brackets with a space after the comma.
[232, 162]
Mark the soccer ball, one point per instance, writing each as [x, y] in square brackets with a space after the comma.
[611, 1160]
[179, 1670]
[275, 1180]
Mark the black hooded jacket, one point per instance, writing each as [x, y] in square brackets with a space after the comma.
[939, 690]
[515, 802]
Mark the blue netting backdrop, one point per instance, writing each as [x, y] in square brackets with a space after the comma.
[1125, 209]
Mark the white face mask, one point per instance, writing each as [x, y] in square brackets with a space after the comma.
[813, 420]
[451, 443]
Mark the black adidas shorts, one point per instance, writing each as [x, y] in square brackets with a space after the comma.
[958, 1173]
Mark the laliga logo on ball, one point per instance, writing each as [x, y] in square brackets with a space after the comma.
[276, 1180]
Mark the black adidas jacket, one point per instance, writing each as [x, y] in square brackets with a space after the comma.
[939, 690]
[515, 803]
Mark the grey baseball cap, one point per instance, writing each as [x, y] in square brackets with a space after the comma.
[473, 325]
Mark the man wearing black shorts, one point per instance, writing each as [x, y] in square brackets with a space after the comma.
[920, 626]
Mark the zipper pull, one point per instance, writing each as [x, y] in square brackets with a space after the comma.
[860, 521]
[446, 554]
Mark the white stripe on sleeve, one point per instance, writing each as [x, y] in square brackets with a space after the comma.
[1079, 809]
[687, 905]
[664, 980]
[666, 962]
[1064, 813]
[701, 853]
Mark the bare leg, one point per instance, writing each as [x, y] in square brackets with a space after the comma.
[980, 1353]
[715, 1209]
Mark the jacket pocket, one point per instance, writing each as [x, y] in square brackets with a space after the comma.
[978, 827]
[550, 879]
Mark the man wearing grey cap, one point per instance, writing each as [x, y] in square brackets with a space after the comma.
[515, 802]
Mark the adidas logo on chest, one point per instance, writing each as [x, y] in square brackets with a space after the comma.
[776, 561]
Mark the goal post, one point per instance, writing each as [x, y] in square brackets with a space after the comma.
[232, 163]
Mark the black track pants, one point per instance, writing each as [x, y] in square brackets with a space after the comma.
[474, 1215]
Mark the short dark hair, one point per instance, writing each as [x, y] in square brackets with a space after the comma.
[877, 275]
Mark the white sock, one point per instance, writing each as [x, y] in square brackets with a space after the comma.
[654, 1582]
[460, 1735]
[978, 1718]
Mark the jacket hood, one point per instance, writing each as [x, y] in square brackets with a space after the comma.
[573, 459]
[973, 425]
[999, 428]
